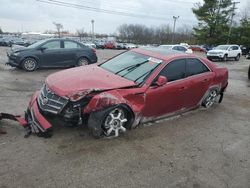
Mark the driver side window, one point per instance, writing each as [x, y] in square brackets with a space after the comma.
[52, 45]
[174, 70]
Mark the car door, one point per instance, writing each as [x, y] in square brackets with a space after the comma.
[199, 77]
[236, 50]
[168, 98]
[51, 54]
[70, 51]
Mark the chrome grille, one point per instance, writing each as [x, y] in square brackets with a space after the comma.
[50, 102]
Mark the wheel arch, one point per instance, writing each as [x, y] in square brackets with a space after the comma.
[82, 56]
[30, 56]
[216, 87]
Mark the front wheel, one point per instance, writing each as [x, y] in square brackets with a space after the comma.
[224, 58]
[29, 64]
[115, 122]
[237, 58]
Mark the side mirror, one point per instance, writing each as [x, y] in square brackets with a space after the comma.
[162, 80]
[42, 48]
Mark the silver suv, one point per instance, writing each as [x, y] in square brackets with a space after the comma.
[224, 52]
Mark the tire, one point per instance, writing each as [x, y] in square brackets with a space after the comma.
[82, 61]
[29, 64]
[210, 99]
[237, 58]
[224, 58]
[109, 122]
[249, 73]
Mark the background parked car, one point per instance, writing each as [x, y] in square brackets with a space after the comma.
[120, 46]
[225, 52]
[90, 45]
[110, 45]
[19, 41]
[197, 48]
[177, 48]
[129, 46]
[100, 45]
[244, 50]
[5, 41]
[51, 53]
[248, 55]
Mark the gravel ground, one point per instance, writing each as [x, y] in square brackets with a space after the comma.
[202, 148]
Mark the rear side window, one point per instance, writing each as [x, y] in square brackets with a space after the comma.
[235, 47]
[52, 45]
[175, 70]
[195, 66]
[70, 45]
[181, 48]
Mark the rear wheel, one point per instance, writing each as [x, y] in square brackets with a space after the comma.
[210, 98]
[29, 64]
[82, 61]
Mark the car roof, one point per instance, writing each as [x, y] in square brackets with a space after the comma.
[161, 53]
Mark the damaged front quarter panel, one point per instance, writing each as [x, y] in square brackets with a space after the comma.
[99, 104]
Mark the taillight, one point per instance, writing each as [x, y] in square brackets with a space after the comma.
[94, 50]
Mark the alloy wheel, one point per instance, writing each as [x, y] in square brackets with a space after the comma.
[29, 65]
[114, 123]
[211, 98]
[82, 62]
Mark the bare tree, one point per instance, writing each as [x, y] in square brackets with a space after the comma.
[81, 33]
[141, 34]
[59, 27]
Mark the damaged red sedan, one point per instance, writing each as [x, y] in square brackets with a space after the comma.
[134, 87]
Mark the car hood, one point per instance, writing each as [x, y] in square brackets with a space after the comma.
[216, 51]
[18, 48]
[84, 80]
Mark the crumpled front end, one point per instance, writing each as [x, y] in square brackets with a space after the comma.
[37, 122]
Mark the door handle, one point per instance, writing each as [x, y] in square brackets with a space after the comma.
[205, 80]
[182, 88]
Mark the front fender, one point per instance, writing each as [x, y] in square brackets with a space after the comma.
[104, 100]
[135, 101]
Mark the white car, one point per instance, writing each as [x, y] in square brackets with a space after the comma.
[90, 45]
[129, 46]
[177, 47]
[224, 52]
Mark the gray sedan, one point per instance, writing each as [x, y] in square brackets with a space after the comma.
[51, 53]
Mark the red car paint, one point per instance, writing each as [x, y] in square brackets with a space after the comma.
[146, 102]
[68, 82]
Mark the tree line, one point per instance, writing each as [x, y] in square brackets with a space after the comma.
[141, 34]
[215, 26]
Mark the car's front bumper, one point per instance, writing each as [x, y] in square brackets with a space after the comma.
[14, 61]
[215, 56]
[38, 123]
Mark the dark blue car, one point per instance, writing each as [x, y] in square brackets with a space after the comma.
[51, 53]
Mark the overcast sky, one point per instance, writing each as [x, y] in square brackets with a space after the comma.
[32, 15]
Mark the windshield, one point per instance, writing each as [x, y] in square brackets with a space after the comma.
[168, 47]
[133, 66]
[222, 47]
[36, 44]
